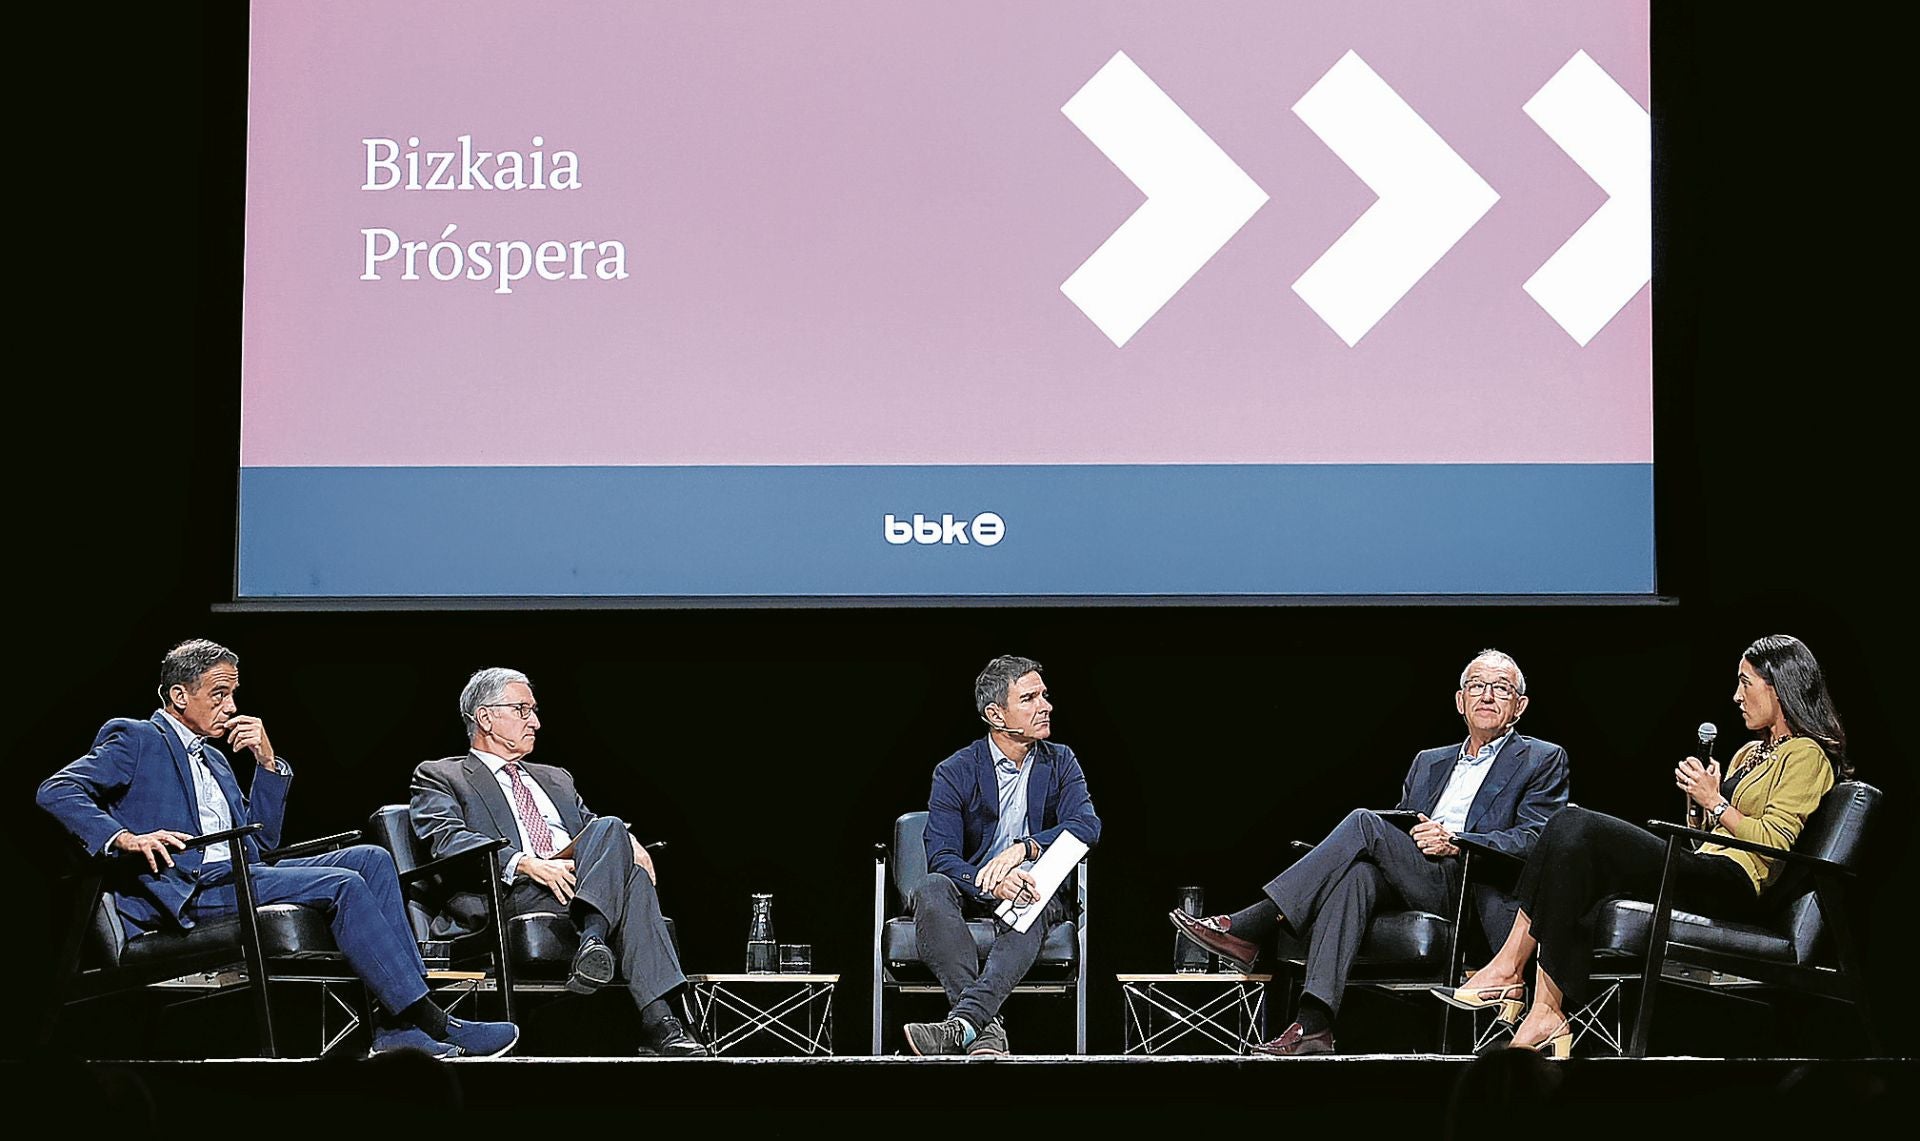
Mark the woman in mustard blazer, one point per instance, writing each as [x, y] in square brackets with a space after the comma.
[1583, 858]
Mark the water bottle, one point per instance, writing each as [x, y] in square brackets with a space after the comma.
[762, 951]
[1189, 958]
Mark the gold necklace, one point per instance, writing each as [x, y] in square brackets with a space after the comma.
[1762, 753]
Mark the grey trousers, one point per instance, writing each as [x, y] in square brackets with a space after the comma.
[607, 880]
[1329, 894]
[975, 990]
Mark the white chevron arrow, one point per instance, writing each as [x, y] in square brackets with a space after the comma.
[1197, 199]
[1429, 198]
[1603, 265]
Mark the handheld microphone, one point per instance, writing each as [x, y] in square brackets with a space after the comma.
[1707, 734]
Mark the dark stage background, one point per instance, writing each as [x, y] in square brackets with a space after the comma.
[772, 748]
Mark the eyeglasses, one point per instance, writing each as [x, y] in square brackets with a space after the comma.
[1501, 689]
[521, 709]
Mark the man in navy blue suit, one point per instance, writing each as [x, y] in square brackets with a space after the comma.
[995, 806]
[1498, 788]
[148, 787]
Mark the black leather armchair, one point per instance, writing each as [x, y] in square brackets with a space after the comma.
[248, 951]
[1061, 967]
[1803, 944]
[527, 953]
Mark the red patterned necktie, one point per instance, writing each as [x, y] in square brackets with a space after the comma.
[532, 825]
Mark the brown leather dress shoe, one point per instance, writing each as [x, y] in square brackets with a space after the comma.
[1211, 934]
[1294, 1043]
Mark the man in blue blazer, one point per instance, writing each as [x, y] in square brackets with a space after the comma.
[148, 787]
[1497, 788]
[995, 807]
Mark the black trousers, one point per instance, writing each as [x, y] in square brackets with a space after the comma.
[1585, 859]
[606, 879]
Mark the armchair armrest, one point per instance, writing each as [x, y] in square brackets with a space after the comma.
[437, 866]
[196, 841]
[314, 846]
[1671, 830]
[1499, 861]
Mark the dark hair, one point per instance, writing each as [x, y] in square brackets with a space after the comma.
[991, 687]
[189, 661]
[1785, 663]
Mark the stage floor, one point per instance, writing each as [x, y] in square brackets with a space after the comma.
[1645, 1096]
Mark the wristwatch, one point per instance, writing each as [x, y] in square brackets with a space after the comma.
[1717, 811]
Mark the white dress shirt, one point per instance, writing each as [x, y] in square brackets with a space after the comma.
[216, 815]
[498, 766]
[1469, 773]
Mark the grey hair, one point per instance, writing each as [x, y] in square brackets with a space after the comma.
[485, 688]
[189, 661]
[1498, 658]
[991, 687]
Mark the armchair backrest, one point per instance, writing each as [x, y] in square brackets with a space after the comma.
[908, 865]
[1835, 832]
[105, 938]
[392, 829]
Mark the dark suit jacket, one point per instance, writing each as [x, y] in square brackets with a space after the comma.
[456, 803]
[136, 777]
[964, 808]
[1526, 785]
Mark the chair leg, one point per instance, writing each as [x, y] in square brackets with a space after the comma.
[255, 957]
[1833, 912]
[879, 972]
[1660, 927]
[503, 955]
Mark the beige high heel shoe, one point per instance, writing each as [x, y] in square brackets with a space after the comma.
[1512, 1000]
[1557, 1045]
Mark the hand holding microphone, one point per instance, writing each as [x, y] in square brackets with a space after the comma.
[1706, 734]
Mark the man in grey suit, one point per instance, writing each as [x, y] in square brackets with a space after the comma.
[559, 854]
[1498, 788]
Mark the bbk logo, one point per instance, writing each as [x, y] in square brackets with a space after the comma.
[986, 529]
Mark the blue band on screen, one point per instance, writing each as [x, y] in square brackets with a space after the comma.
[1324, 529]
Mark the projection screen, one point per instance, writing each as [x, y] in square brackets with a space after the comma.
[877, 299]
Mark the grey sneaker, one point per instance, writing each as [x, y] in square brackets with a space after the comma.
[933, 1039]
[989, 1042]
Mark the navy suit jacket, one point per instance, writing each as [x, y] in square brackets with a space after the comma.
[964, 808]
[136, 778]
[1527, 784]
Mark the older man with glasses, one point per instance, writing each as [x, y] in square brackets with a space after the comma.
[1498, 788]
[559, 855]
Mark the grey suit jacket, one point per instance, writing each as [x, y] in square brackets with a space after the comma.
[456, 803]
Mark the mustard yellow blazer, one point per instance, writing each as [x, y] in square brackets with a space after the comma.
[1775, 796]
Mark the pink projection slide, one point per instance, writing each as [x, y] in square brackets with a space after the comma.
[664, 275]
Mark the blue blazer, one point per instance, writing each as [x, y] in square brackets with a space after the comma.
[964, 808]
[1527, 784]
[136, 777]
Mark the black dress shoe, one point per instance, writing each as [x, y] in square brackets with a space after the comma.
[592, 966]
[671, 1040]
